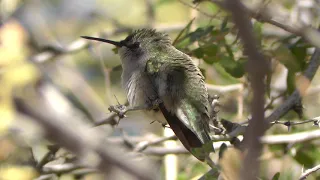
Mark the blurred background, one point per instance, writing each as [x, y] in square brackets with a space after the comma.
[51, 82]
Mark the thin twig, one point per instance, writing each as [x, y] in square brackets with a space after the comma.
[211, 174]
[310, 34]
[162, 151]
[110, 119]
[272, 99]
[224, 89]
[294, 123]
[47, 157]
[291, 138]
[144, 144]
[307, 172]
[199, 10]
[263, 18]
[61, 168]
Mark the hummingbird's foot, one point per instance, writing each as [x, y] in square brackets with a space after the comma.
[155, 104]
[217, 130]
[120, 110]
[166, 126]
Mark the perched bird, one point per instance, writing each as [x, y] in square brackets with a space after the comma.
[157, 75]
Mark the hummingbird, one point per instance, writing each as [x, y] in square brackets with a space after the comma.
[157, 75]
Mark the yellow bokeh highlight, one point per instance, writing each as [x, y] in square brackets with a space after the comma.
[17, 172]
[15, 70]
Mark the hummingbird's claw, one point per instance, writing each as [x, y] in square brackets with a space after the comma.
[155, 104]
[166, 126]
[120, 110]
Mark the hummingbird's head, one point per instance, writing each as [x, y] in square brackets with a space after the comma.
[139, 45]
[145, 39]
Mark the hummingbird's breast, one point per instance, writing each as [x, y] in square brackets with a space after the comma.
[139, 88]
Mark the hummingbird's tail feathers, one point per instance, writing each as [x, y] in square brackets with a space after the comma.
[187, 137]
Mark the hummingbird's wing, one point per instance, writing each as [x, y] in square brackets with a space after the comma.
[185, 104]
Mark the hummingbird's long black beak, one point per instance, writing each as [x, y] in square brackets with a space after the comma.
[118, 44]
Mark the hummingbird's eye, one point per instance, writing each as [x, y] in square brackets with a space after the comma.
[134, 45]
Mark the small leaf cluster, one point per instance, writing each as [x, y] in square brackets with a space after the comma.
[211, 44]
[219, 45]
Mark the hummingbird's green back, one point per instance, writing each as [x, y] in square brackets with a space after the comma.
[180, 85]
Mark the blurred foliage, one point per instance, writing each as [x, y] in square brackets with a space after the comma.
[16, 172]
[16, 71]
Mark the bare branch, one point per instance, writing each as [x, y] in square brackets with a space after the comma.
[212, 173]
[198, 9]
[315, 121]
[47, 157]
[310, 34]
[224, 89]
[108, 120]
[74, 139]
[307, 172]
[291, 138]
[295, 97]
[61, 168]
[161, 151]
[144, 144]
[257, 71]
[259, 16]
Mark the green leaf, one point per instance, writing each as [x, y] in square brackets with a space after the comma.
[185, 30]
[209, 60]
[117, 68]
[307, 155]
[224, 23]
[210, 53]
[223, 148]
[268, 83]
[115, 50]
[225, 76]
[299, 51]
[200, 32]
[234, 68]
[257, 27]
[285, 57]
[218, 36]
[268, 78]
[201, 35]
[291, 82]
[276, 176]
[211, 50]
[212, 7]
[278, 149]
[240, 70]
[292, 55]
[229, 50]
[198, 53]
[215, 32]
